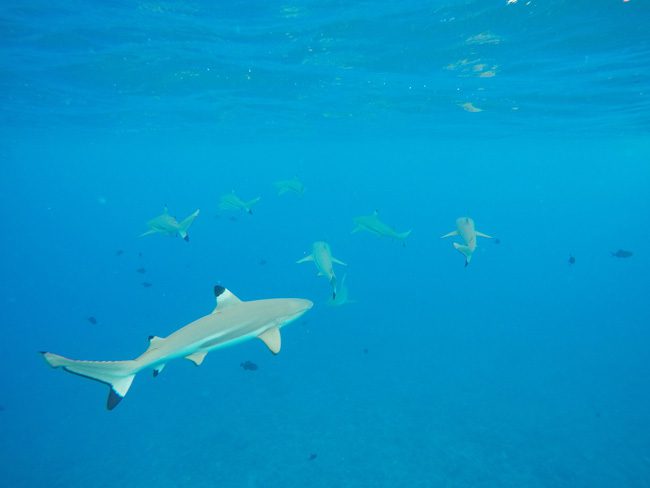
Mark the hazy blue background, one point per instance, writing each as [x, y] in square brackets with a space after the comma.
[519, 370]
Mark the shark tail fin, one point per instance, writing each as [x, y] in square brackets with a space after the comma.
[118, 375]
[333, 285]
[185, 225]
[251, 203]
[465, 251]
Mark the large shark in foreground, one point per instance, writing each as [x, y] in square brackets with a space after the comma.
[321, 255]
[371, 223]
[293, 185]
[466, 230]
[230, 201]
[166, 224]
[231, 322]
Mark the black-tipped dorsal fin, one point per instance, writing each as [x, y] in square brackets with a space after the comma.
[224, 297]
[154, 342]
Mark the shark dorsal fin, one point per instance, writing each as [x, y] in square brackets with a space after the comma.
[271, 337]
[154, 342]
[375, 212]
[225, 298]
[197, 357]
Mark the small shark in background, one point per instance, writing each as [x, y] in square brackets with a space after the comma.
[342, 294]
[293, 185]
[231, 322]
[321, 255]
[166, 224]
[230, 201]
[466, 230]
[371, 223]
[621, 253]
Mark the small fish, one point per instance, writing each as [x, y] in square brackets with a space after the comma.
[141, 270]
[312, 456]
[497, 241]
[262, 262]
[572, 259]
[621, 253]
[249, 366]
[92, 320]
[365, 350]
[146, 284]
[140, 254]
[119, 252]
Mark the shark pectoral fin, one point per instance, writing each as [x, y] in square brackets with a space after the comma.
[305, 259]
[224, 297]
[356, 229]
[158, 369]
[451, 234]
[271, 337]
[338, 261]
[320, 273]
[185, 224]
[480, 234]
[197, 357]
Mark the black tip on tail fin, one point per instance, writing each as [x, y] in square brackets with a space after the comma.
[186, 238]
[113, 399]
[218, 290]
[155, 373]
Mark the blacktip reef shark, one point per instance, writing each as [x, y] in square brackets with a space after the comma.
[321, 255]
[467, 231]
[230, 201]
[371, 223]
[293, 185]
[166, 224]
[231, 322]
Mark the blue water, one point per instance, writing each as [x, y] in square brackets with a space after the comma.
[519, 370]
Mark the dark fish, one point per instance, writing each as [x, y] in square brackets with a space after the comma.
[497, 241]
[312, 456]
[92, 320]
[146, 284]
[119, 252]
[621, 253]
[139, 254]
[365, 350]
[572, 259]
[233, 219]
[249, 366]
[141, 270]
[262, 262]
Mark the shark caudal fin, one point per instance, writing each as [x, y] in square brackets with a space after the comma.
[185, 225]
[465, 251]
[118, 375]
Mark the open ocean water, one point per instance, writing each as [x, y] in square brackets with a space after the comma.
[529, 367]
